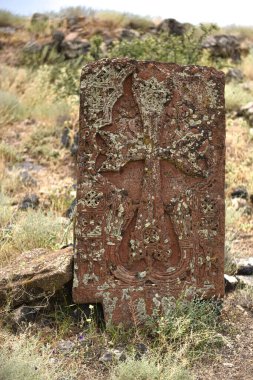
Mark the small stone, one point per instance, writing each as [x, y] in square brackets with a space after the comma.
[24, 314]
[113, 354]
[229, 365]
[230, 282]
[27, 179]
[244, 266]
[29, 201]
[240, 192]
[234, 74]
[66, 345]
[65, 138]
[239, 203]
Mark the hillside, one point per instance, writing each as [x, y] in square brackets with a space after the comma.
[40, 64]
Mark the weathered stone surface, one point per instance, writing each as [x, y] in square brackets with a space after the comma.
[223, 46]
[35, 274]
[150, 202]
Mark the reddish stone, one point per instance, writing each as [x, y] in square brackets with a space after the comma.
[150, 201]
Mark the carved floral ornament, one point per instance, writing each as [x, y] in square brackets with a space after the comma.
[151, 146]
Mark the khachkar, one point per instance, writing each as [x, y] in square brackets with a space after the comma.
[150, 202]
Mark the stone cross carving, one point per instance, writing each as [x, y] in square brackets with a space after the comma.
[150, 203]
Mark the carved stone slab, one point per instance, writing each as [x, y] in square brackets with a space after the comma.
[150, 202]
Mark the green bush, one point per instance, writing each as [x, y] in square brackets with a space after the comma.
[185, 49]
[9, 19]
[191, 326]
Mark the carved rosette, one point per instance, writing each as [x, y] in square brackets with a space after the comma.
[150, 187]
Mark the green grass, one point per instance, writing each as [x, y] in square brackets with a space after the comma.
[35, 229]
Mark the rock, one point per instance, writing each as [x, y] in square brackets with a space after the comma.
[251, 198]
[246, 280]
[65, 138]
[23, 314]
[240, 192]
[234, 74]
[58, 36]
[74, 21]
[72, 36]
[74, 146]
[239, 203]
[75, 48]
[141, 349]
[38, 17]
[27, 179]
[128, 34]
[247, 112]
[29, 201]
[230, 282]
[244, 266]
[35, 274]
[65, 346]
[71, 210]
[32, 47]
[223, 46]
[113, 354]
[172, 26]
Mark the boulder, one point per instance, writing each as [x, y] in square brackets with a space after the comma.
[74, 48]
[29, 201]
[223, 46]
[126, 34]
[235, 75]
[34, 275]
[172, 26]
[38, 17]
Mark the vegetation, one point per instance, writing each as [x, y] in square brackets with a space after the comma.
[39, 100]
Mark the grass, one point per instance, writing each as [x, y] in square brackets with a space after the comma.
[150, 368]
[6, 210]
[35, 229]
[9, 154]
[236, 96]
[247, 66]
[10, 108]
[23, 357]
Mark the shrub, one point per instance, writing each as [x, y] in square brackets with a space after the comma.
[185, 49]
[10, 108]
[189, 326]
[9, 19]
[35, 229]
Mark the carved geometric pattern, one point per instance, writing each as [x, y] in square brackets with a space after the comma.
[150, 203]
